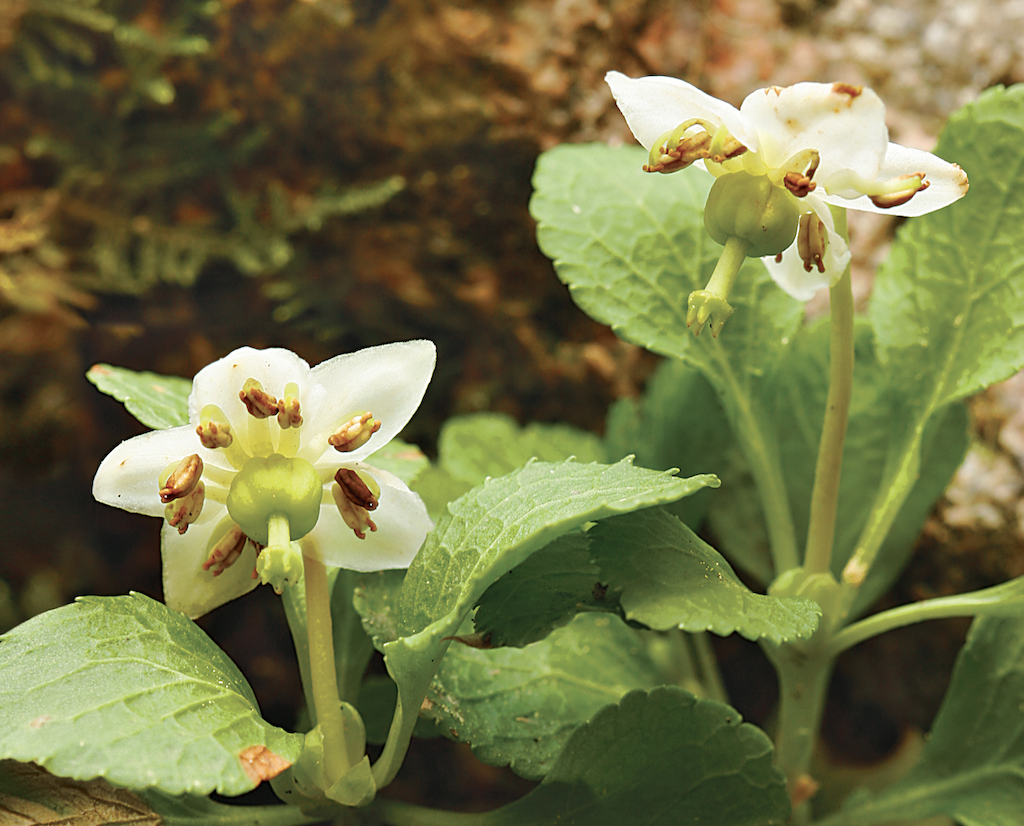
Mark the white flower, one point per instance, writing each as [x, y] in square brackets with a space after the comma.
[822, 143]
[279, 447]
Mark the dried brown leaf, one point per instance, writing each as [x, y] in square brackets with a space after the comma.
[30, 795]
[260, 763]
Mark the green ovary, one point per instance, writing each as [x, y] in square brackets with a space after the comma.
[274, 486]
[750, 207]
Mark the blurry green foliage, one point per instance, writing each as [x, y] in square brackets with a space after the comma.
[148, 151]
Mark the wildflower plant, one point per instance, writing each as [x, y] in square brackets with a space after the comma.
[542, 593]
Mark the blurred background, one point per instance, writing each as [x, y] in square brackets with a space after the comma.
[182, 177]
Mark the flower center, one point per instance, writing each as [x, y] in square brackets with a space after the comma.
[751, 208]
[273, 496]
[275, 489]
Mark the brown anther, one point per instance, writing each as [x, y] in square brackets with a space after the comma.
[691, 148]
[355, 489]
[225, 553]
[182, 479]
[257, 401]
[730, 149]
[895, 199]
[288, 413]
[355, 433]
[185, 510]
[214, 434]
[356, 517]
[811, 241]
[800, 185]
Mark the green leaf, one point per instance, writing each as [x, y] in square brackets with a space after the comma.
[491, 530]
[471, 448]
[677, 423]
[948, 305]
[659, 758]
[949, 296]
[669, 578]
[519, 707]
[127, 689]
[972, 768]
[485, 534]
[736, 521]
[156, 401]
[400, 458]
[376, 600]
[632, 246]
[543, 593]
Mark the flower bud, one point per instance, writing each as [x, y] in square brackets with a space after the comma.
[751, 208]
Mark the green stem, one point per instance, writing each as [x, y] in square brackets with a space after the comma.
[1000, 599]
[323, 675]
[821, 528]
[803, 686]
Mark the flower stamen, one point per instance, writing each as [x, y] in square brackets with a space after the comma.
[883, 194]
[800, 185]
[910, 186]
[180, 481]
[288, 414]
[355, 515]
[213, 434]
[259, 403]
[185, 510]
[676, 150]
[812, 241]
[354, 433]
[226, 550]
[724, 146]
[357, 491]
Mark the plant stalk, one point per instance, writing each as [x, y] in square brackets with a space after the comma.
[323, 675]
[821, 529]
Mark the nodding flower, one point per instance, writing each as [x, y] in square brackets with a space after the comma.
[788, 154]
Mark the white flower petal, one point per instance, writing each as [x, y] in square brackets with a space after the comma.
[220, 383]
[846, 128]
[128, 477]
[388, 381]
[655, 105]
[790, 274]
[402, 525]
[190, 589]
[947, 183]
